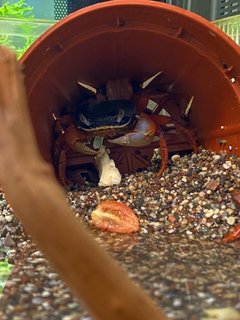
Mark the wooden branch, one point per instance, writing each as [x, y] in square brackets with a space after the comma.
[40, 204]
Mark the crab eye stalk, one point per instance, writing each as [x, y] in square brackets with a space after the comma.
[121, 114]
[84, 120]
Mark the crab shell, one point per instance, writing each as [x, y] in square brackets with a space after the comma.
[112, 114]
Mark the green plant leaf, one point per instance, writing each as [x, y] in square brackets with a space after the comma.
[18, 9]
[5, 270]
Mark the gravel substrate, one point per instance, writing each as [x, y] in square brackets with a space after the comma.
[177, 256]
[181, 201]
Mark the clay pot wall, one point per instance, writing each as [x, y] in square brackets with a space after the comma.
[135, 39]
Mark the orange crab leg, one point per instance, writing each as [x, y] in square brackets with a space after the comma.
[163, 152]
[60, 160]
[185, 132]
[160, 120]
[62, 167]
[187, 135]
[233, 235]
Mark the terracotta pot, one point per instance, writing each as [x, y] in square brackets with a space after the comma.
[135, 39]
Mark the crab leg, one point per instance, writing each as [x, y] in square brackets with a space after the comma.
[160, 120]
[61, 168]
[187, 135]
[60, 160]
[163, 152]
[185, 132]
[74, 139]
[83, 148]
[163, 148]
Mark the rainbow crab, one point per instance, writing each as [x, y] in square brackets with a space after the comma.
[120, 113]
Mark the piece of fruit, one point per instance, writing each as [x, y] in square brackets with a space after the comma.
[114, 216]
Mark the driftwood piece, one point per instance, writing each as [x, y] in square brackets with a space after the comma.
[39, 202]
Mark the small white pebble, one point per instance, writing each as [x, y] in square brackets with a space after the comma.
[184, 202]
[208, 213]
[175, 158]
[216, 157]
[9, 218]
[202, 194]
[45, 294]
[177, 302]
[226, 165]
[231, 220]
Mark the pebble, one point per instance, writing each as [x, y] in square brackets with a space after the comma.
[231, 220]
[175, 158]
[226, 165]
[8, 241]
[212, 185]
[216, 158]
[221, 314]
[45, 294]
[202, 194]
[177, 303]
[72, 317]
[9, 218]
[208, 213]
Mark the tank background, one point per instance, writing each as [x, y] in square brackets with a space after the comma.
[42, 9]
[211, 10]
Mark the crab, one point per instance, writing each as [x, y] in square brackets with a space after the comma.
[121, 113]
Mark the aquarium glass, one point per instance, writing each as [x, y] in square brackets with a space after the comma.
[231, 26]
[18, 26]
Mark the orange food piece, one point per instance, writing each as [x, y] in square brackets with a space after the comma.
[236, 197]
[114, 216]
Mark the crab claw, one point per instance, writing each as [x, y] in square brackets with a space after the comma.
[83, 148]
[74, 139]
[142, 134]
